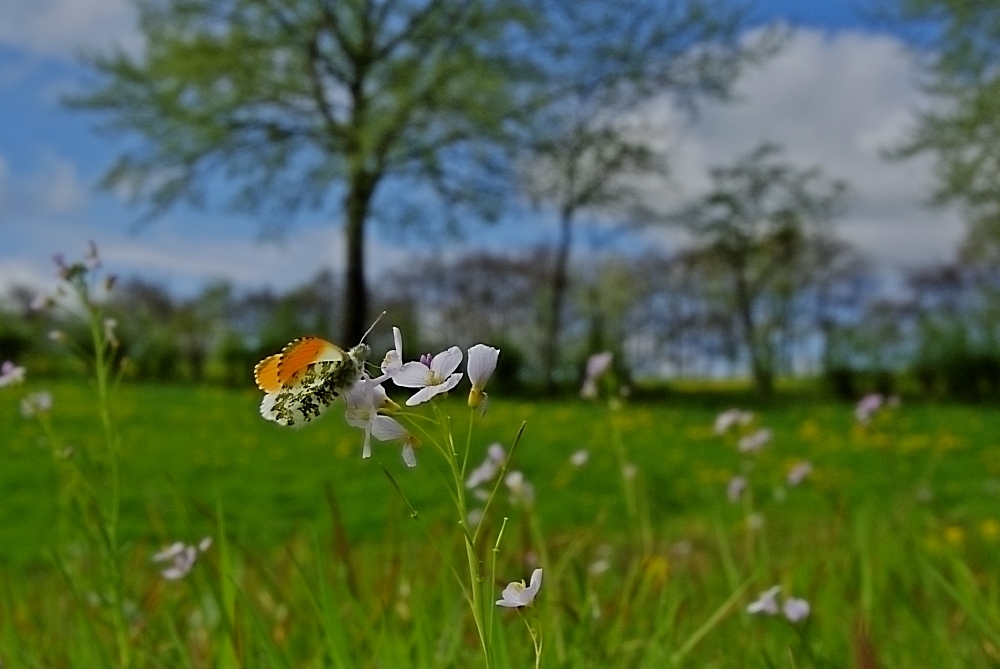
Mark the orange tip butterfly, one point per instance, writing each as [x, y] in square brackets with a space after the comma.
[303, 380]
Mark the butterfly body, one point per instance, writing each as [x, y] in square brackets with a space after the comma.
[306, 378]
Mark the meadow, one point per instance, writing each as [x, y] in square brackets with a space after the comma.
[892, 538]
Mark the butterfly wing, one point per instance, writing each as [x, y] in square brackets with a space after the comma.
[265, 374]
[305, 379]
[311, 394]
[301, 353]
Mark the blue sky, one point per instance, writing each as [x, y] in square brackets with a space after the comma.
[840, 93]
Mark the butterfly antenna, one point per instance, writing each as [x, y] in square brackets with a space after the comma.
[372, 327]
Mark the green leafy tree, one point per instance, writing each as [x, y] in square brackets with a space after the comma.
[588, 153]
[958, 43]
[284, 105]
[754, 229]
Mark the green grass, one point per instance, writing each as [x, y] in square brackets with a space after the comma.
[894, 539]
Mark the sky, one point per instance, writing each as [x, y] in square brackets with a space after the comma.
[840, 93]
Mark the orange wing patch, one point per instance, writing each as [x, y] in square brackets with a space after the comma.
[266, 374]
[301, 353]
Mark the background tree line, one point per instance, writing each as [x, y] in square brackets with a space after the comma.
[436, 112]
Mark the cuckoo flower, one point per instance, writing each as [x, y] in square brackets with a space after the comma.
[796, 610]
[433, 375]
[11, 374]
[482, 362]
[393, 361]
[766, 603]
[516, 595]
[364, 400]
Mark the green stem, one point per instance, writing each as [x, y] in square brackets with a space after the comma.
[113, 558]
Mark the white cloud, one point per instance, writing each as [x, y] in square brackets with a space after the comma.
[833, 101]
[187, 261]
[59, 27]
[58, 186]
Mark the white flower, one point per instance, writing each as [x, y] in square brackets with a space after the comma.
[735, 488]
[36, 403]
[752, 443]
[868, 407]
[11, 374]
[520, 489]
[180, 558]
[40, 302]
[630, 471]
[393, 361]
[766, 603]
[599, 566]
[516, 594]
[363, 400]
[798, 473]
[481, 474]
[727, 419]
[495, 457]
[579, 458]
[496, 453]
[795, 609]
[110, 325]
[755, 520]
[597, 365]
[482, 362]
[58, 336]
[433, 375]
[475, 517]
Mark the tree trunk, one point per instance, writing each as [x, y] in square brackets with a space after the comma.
[356, 205]
[550, 346]
[760, 363]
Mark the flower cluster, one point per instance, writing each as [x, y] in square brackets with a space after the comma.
[11, 374]
[731, 418]
[597, 366]
[872, 404]
[310, 373]
[794, 609]
[180, 558]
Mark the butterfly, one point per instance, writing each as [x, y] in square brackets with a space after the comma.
[306, 377]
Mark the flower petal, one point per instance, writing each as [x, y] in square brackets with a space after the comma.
[386, 429]
[409, 457]
[422, 395]
[446, 362]
[413, 375]
[482, 363]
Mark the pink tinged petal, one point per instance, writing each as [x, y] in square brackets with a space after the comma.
[413, 375]
[446, 362]
[482, 363]
[170, 552]
[795, 609]
[766, 603]
[496, 453]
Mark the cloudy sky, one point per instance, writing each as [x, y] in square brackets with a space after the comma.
[840, 93]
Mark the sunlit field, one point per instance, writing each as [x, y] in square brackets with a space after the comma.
[892, 538]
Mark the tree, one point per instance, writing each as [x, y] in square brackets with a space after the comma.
[959, 44]
[752, 231]
[588, 151]
[283, 104]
